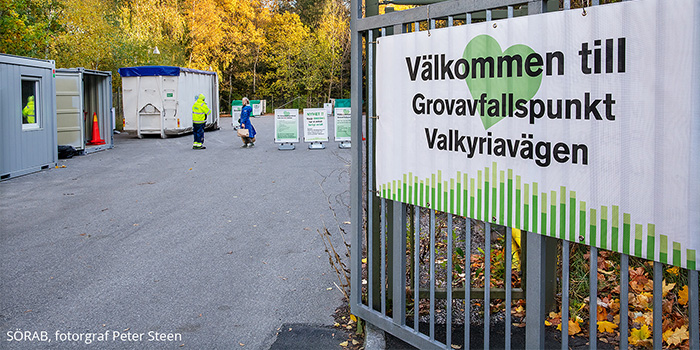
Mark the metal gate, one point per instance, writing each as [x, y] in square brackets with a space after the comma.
[390, 278]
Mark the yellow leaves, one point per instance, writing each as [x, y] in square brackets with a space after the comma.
[574, 327]
[683, 296]
[606, 326]
[677, 336]
[638, 335]
[673, 270]
[667, 287]
[642, 301]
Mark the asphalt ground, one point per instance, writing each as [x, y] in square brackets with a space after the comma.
[154, 245]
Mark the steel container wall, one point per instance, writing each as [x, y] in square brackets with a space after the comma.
[26, 149]
[81, 94]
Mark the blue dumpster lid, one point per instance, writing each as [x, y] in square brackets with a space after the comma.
[157, 71]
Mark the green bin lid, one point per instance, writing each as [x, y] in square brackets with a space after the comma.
[342, 102]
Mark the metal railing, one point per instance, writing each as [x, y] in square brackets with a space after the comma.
[390, 276]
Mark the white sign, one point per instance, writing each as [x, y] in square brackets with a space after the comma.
[286, 125]
[343, 124]
[315, 125]
[235, 115]
[329, 108]
[586, 128]
[257, 109]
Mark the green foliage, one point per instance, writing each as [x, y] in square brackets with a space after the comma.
[27, 26]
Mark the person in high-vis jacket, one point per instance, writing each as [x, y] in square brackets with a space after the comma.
[199, 118]
[29, 112]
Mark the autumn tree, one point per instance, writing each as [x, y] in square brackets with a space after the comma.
[89, 35]
[27, 27]
[286, 39]
[147, 24]
[334, 42]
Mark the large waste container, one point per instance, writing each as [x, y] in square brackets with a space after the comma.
[158, 99]
[83, 95]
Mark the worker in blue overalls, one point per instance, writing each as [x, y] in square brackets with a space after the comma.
[199, 118]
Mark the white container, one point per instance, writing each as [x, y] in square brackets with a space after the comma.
[158, 99]
[82, 94]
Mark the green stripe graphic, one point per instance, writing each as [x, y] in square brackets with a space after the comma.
[501, 196]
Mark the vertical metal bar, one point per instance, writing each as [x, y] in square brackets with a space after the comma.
[450, 21]
[565, 295]
[534, 293]
[487, 284]
[567, 4]
[624, 300]
[356, 173]
[488, 15]
[468, 18]
[370, 171]
[508, 281]
[535, 7]
[593, 299]
[432, 274]
[416, 27]
[382, 237]
[449, 281]
[416, 267]
[399, 263]
[658, 300]
[467, 279]
[694, 309]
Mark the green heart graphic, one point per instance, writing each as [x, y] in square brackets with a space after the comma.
[522, 87]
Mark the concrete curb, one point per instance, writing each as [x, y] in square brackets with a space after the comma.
[374, 338]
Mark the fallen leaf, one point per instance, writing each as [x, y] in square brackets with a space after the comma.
[637, 335]
[605, 326]
[241, 344]
[355, 342]
[455, 346]
[673, 270]
[683, 296]
[344, 344]
[353, 318]
[667, 288]
[677, 336]
[547, 323]
[573, 327]
[602, 314]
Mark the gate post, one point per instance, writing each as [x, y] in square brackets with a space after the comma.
[535, 291]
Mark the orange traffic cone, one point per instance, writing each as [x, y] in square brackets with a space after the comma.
[96, 140]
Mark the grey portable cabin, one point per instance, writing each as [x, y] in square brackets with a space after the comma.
[81, 96]
[27, 115]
